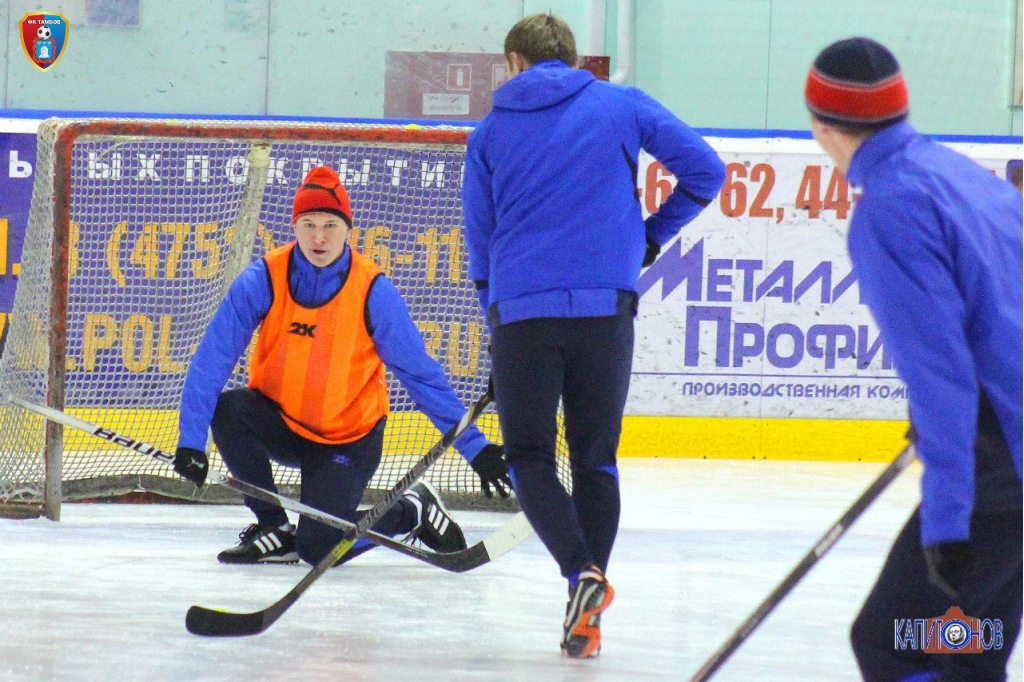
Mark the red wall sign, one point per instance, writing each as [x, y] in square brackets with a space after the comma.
[451, 85]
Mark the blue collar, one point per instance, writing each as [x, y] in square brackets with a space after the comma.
[550, 64]
[878, 147]
[311, 286]
[339, 266]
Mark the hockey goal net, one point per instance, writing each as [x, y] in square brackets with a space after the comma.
[136, 230]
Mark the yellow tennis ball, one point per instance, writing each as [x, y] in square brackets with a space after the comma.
[414, 126]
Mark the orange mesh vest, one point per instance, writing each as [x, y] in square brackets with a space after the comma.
[320, 364]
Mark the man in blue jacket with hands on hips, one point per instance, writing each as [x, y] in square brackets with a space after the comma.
[936, 245]
[556, 241]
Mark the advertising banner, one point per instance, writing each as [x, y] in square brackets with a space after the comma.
[17, 162]
[752, 312]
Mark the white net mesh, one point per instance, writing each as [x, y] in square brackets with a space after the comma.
[153, 221]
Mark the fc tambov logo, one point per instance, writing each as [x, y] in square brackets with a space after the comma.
[44, 35]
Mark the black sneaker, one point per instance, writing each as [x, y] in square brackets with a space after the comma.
[436, 529]
[593, 594]
[262, 545]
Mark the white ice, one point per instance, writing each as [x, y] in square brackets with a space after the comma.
[102, 595]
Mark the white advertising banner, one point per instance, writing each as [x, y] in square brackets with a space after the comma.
[754, 311]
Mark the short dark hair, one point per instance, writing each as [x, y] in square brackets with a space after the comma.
[542, 37]
[1015, 172]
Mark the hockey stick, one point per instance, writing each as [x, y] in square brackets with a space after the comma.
[823, 545]
[213, 623]
[499, 542]
[490, 548]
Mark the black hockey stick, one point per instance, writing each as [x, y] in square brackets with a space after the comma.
[490, 548]
[501, 541]
[213, 623]
[823, 545]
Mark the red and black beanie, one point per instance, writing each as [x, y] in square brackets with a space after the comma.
[322, 192]
[857, 81]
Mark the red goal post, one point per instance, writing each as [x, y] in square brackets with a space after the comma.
[136, 229]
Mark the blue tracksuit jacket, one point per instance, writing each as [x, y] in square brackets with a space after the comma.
[936, 245]
[398, 342]
[553, 224]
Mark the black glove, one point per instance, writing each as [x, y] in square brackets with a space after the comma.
[489, 464]
[653, 249]
[192, 464]
[948, 565]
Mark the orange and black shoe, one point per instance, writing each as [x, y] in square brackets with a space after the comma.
[582, 628]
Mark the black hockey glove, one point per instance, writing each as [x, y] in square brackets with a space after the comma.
[948, 565]
[192, 464]
[489, 464]
[653, 249]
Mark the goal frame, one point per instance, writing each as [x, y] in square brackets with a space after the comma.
[68, 132]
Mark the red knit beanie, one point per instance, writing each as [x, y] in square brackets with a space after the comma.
[857, 81]
[322, 192]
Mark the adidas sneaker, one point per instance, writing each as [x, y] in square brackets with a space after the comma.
[436, 529]
[262, 545]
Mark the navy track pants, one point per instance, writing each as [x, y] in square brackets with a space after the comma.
[250, 433]
[586, 362]
[992, 590]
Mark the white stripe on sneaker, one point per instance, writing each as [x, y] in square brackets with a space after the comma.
[579, 601]
[439, 520]
[267, 543]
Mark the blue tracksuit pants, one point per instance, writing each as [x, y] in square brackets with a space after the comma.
[250, 433]
[991, 590]
[585, 361]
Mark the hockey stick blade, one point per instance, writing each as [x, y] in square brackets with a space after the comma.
[217, 623]
[821, 547]
[514, 531]
[493, 546]
[507, 537]
[199, 620]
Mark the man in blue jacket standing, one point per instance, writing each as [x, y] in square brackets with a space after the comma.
[936, 244]
[556, 241]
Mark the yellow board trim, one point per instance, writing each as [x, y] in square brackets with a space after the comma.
[407, 433]
[837, 440]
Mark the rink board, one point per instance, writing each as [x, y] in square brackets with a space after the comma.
[751, 339]
[850, 440]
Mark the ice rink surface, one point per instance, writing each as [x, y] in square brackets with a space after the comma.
[102, 595]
